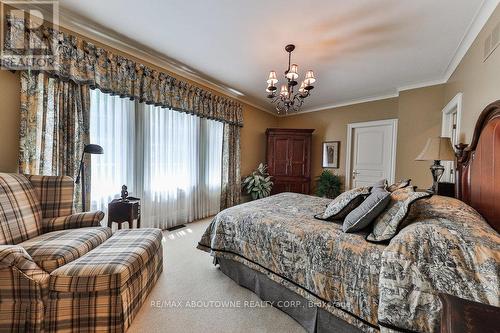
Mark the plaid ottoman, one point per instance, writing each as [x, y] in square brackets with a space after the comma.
[103, 290]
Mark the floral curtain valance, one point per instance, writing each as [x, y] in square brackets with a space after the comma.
[85, 63]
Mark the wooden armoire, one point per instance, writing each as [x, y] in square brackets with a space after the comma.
[289, 159]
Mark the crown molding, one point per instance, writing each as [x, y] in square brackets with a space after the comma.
[86, 27]
[346, 103]
[422, 84]
[478, 22]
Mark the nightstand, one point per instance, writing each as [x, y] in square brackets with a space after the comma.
[463, 316]
[443, 189]
[446, 189]
[121, 211]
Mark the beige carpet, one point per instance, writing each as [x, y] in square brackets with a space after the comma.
[189, 276]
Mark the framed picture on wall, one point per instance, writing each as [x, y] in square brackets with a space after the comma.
[331, 154]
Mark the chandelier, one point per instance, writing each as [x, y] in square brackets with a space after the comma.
[287, 100]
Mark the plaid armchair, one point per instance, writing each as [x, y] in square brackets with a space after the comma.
[56, 198]
[39, 232]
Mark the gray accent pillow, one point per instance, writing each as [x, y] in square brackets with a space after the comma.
[386, 224]
[365, 213]
[345, 203]
[381, 185]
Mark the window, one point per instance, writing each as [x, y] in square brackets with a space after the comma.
[171, 160]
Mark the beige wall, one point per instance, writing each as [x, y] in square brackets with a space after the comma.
[419, 119]
[9, 121]
[253, 138]
[478, 81]
[331, 125]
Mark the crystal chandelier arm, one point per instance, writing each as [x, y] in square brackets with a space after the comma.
[297, 102]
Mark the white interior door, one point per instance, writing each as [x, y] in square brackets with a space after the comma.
[373, 147]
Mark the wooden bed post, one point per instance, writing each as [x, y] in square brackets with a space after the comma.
[478, 167]
[459, 167]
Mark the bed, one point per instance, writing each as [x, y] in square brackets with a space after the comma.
[330, 281]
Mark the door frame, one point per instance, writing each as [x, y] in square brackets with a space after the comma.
[455, 103]
[350, 130]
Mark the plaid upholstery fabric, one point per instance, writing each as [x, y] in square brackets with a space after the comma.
[20, 215]
[79, 220]
[117, 260]
[84, 299]
[55, 194]
[55, 249]
[23, 291]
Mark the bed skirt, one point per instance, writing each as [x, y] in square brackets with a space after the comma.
[313, 318]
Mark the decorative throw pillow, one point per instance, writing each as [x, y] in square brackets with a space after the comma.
[386, 224]
[345, 203]
[401, 184]
[365, 213]
[381, 185]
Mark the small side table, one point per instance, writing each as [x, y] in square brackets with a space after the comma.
[463, 316]
[446, 189]
[443, 189]
[120, 211]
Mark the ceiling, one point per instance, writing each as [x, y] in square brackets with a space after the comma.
[358, 49]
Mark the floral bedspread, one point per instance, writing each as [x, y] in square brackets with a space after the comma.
[447, 248]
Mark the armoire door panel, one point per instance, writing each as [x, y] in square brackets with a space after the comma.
[298, 158]
[281, 156]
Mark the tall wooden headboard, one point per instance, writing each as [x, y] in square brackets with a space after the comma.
[478, 176]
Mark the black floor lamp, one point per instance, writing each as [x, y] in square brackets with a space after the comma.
[88, 149]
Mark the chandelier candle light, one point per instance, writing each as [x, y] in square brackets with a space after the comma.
[287, 101]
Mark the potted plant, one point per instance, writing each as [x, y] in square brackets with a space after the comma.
[259, 183]
[328, 185]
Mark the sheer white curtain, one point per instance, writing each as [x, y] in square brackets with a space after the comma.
[112, 126]
[182, 157]
[173, 160]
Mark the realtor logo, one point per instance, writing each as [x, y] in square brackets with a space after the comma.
[26, 38]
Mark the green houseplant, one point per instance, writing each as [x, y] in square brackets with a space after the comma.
[328, 184]
[259, 183]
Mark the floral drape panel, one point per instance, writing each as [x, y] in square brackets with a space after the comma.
[54, 126]
[79, 63]
[231, 180]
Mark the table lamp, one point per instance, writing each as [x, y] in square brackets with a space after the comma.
[437, 150]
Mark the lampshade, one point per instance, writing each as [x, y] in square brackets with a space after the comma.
[293, 72]
[302, 87]
[272, 78]
[284, 90]
[437, 149]
[93, 149]
[310, 79]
